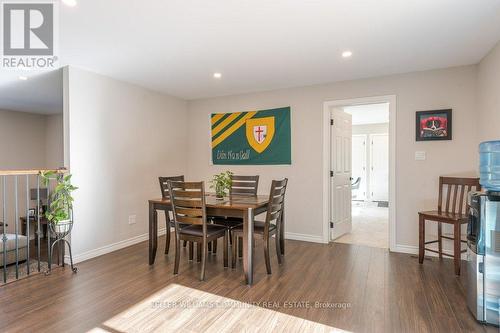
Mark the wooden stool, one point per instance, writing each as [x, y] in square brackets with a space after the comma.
[455, 213]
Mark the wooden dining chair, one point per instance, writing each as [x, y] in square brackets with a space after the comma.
[188, 206]
[244, 185]
[453, 212]
[165, 194]
[271, 225]
[240, 185]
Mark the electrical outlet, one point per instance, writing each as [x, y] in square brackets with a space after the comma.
[132, 219]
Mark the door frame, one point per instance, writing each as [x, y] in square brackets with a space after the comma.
[391, 99]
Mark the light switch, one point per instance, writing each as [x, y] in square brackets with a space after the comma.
[420, 156]
[132, 219]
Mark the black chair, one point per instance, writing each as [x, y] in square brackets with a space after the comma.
[188, 206]
[271, 225]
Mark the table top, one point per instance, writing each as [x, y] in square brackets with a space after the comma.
[233, 202]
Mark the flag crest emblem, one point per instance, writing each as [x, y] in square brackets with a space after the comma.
[260, 133]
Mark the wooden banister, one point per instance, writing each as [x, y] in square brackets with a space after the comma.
[29, 172]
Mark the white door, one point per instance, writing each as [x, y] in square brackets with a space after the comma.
[359, 165]
[379, 169]
[340, 166]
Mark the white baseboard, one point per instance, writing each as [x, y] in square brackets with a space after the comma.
[304, 237]
[144, 237]
[414, 250]
[405, 249]
[112, 247]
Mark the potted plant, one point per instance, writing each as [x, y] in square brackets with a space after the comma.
[221, 183]
[60, 209]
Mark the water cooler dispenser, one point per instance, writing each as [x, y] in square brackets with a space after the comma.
[483, 239]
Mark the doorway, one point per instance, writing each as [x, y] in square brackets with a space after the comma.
[360, 161]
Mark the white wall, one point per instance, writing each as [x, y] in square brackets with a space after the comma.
[121, 138]
[366, 130]
[489, 96]
[417, 182]
[370, 129]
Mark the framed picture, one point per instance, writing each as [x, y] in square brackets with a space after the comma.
[31, 212]
[433, 125]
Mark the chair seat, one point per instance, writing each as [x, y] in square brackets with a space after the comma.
[197, 230]
[258, 227]
[441, 216]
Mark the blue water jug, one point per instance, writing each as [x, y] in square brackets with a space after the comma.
[489, 165]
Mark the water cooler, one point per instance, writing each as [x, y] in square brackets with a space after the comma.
[483, 239]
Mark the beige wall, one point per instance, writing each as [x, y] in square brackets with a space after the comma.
[489, 96]
[27, 141]
[22, 140]
[417, 181]
[121, 138]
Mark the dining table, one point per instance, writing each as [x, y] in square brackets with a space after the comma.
[245, 207]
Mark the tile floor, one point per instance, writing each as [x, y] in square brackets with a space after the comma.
[370, 225]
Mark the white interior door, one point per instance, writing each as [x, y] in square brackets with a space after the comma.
[359, 165]
[340, 166]
[379, 170]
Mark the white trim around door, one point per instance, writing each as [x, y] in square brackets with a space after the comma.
[391, 99]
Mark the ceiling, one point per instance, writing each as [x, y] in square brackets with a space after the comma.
[41, 93]
[175, 46]
[369, 113]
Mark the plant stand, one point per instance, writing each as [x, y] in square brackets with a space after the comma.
[60, 230]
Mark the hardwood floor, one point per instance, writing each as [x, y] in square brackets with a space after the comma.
[373, 291]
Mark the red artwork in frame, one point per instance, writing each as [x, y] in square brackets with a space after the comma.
[433, 125]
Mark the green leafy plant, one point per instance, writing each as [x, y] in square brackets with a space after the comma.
[221, 183]
[61, 201]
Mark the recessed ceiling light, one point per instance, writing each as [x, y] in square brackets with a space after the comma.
[217, 75]
[346, 54]
[69, 3]
[23, 78]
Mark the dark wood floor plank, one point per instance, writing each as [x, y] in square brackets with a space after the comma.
[375, 300]
[387, 292]
[407, 306]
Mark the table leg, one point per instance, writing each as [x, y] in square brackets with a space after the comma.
[153, 233]
[248, 221]
[421, 239]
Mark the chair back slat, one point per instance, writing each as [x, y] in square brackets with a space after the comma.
[188, 203]
[244, 185]
[459, 187]
[189, 220]
[276, 201]
[186, 194]
[454, 203]
[461, 200]
[448, 191]
[164, 184]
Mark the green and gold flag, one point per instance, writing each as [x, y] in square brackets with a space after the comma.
[253, 137]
